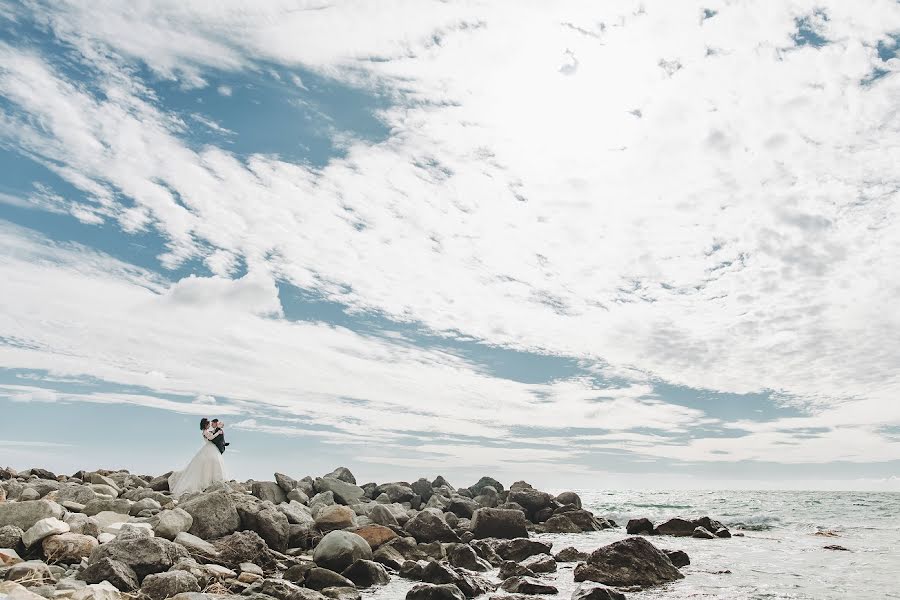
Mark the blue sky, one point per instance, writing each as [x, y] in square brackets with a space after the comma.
[654, 247]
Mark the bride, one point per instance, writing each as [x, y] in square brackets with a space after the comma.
[206, 468]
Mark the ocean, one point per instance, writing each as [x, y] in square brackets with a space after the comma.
[781, 555]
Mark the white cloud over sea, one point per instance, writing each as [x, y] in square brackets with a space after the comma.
[696, 194]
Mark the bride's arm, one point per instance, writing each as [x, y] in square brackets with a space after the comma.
[209, 434]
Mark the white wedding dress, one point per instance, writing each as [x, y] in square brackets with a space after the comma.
[206, 468]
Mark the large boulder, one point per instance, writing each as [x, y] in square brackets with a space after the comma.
[470, 584]
[213, 515]
[145, 555]
[561, 524]
[499, 523]
[68, 547]
[242, 546]
[639, 526]
[483, 482]
[679, 558]
[632, 561]
[375, 535]
[116, 572]
[521, 548]
[170, 523]
[382, 515]
[165, 585]
[273, 526]
[570, 498]
[422, 488]
[344, 493]
[429, 591]
[285, 482]
[269, 490]
[464, 556]
[25, 514]
[678, 527]
[597, 592]
[530, 499]
[339, 549]
[334, 517]
[42, 529]
[366, 573]
[344, 474]
[428, 527]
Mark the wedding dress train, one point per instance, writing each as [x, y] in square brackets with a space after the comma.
[207, 467]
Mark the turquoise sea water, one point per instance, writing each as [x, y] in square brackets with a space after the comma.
[780, 557]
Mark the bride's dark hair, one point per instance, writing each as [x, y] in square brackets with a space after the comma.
[204, 423]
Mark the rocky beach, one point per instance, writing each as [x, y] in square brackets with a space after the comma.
[113, 534]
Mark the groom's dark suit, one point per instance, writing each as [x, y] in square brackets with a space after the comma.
[219, 440]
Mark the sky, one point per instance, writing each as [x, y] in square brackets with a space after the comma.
[610, 244]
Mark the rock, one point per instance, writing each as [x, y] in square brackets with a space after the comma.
[678, 527]
[569, 498]
[632, 561]
[499, 523]
[638, 526]
[428, 591]
[82, 524]
[344, 492]
[116, 572]
[486, 550]
[165, 585]
[389, 556]
[298, 495]
[195, 544]
[129, 530]
[561, 524]
[29, 494]
[214, 515]
[42, 529]
[10, 536]
[296, 512]
[530, 499]
[382, 515]
[540, 563]
[462, 506]
[469, 584]
[484, 481]
[527, 585]
[98, 505]
[272, 525]
[103, 480]
[835, 547]
[703, 534]
[8, 557]
[343, 474]
[428, 527]
[366, 573]
[570, 554]
[586, 520]
[25, 514]
[32, 571]
[160, 484]
[422, 488]
[321, 500]
[375, 535]
[511, 568]
[297, 573]
[334, 517]
[412, 569]
[396, 492]
[462, 555]
[242, 546]
[145, 505]
[722, 532]
[80, 494]
[339, 549]
[341, 593]
[269, 490]
[285, 590]
[68, 547]
[145, 555]
[679, 558]
[597, 592]
[15, 591]
[521, 548]
[285, 482]
[39, 473]
[169, 523]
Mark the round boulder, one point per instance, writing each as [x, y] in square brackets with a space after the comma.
[339, 549]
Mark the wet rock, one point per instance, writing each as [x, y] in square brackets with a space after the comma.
[170, 523]
[499, 523]
[144, 555]
[521, 548]
[486, 550]
[677, 527]
[540, 563]
[511, 568]
[471, 585]
[165, 585]
[586, 520]
[722, 532]
[428, 527]
[68, 547]
[366, 573]
[389, 556]
[569, 498]
[679, 558]
[464, 556]
[334, 517]
[319, 578]
[703, 534]
[561, 524]
[25, 514]
[339, 549]
[571, 554]
[597, 592]
[285, 590]
[530, 499]
[428, 591]
[639, 526]
[835, 547]
[344, 492]
[42, 529]
[341, 593]
[527, 585]
[116, 572]
[632, 561]
[214, 515]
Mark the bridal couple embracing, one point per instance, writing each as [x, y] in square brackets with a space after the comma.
[207, 467]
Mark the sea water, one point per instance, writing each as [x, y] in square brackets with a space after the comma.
[781, 555]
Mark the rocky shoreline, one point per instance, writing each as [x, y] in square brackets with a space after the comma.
[112, 534]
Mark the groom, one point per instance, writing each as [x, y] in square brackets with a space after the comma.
[219, 440]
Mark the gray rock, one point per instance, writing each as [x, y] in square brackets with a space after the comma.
[511, 568]
[272, 525]
[165, 585]
[597, 592]
[319, 578]
[98, 505]
[569, 498]
[428, 591]
[540, 563]
[462, 506]
[521, 548]
[170, 523]
[344, 474]
[382, 515]
[242, 546]
[679, 558]
[33, 571]
[484, 481]
[116, 572]
[703, 534]
[296, 512]
[422, 488]
[68, 547]
[145, 555]
[499, 523]
[43, 528]
[25, 514]
[195, 544]
[561, 524]
[366, 573]
[341, 593]
[268, 490]
[81, 494]
[10, 536]
[339, 549]
[298, 495]
[214, 515]
[285, 590]
[344, 493]
[678, 527]
[428, 527]
[632, 561]
[571, 554]
[285, 482]
[462, 555]
[527, 585]
[470, 584]
[639, 526]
